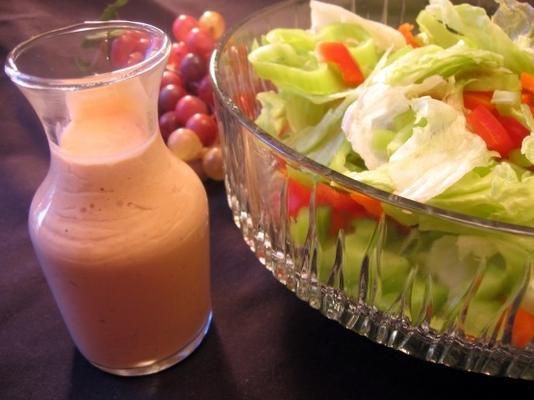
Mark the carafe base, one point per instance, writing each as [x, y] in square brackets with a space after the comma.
[165, 363]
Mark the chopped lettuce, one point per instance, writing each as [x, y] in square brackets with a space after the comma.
[384, 36]
[516, 19]
[527, 148]
[342, 32]
[287, 69]
[378, 178]
[287, 57]
[300, 40]
[312, 129]
[488, 81]
[506, 97]
[501, 191]
[272, 118]
[326, 131]
[437, 155]
[285, 112]
[445, 24]
[427, 155]
[375, 108]
[421, 63]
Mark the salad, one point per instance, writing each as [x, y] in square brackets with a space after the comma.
[441, 113]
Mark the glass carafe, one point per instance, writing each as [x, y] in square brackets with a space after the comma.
[119, 225]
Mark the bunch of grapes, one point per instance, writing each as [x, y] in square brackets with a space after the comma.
[185, 101]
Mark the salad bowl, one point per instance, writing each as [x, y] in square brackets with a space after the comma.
[436, 282]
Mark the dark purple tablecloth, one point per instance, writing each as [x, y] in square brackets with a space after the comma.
[264, 343]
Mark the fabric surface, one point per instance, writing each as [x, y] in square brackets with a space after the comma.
[264, 343]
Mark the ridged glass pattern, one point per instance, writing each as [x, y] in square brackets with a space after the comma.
[376, 277]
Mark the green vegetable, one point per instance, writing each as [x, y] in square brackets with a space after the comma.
[381, 139]
[302, 41]
[272, 118]
[527, 148]
[287, 58]
[488, 81]
[366, 56]
[289, 70]
[342, 32]
[517, 20]
[299, 228]
[501, 191]
[446, 24]
[431, 60]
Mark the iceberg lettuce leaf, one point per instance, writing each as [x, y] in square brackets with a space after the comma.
[437, 154]
[423, 62]
[517, 20]
[286, 113]
[502, 192]
[287, 69]
[272, 118]
[445, 24]
[384, 36]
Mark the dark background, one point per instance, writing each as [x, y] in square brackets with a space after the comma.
[264, 343]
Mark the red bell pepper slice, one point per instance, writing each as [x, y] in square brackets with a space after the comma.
[342, 219]
[372, 206]
[406, 31]
[487, 126]
[328, 196]
[474, 99]
[527, 98]
[298, 196]
[527, 82]
[515, 129]
[344, 207]
[523, 328]
[337, 53]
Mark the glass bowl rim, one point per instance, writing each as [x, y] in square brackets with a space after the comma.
[88, 81]
[325, 172]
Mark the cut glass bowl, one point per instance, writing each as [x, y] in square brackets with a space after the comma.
[382, 277]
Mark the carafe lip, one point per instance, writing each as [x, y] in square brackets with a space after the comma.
[91, 80]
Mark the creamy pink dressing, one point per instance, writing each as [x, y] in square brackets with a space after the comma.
[120, 227]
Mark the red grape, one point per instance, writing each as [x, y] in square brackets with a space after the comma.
[140, 40]
[187, 107]
[192, 67]
[186, 94]
[142, 45]
[178, 52]
[167, 124]
[200, 42]
[213, 164]
[135, 58]
[213, 23]
[205, 91]
[170, 77]
[192, 87]
[169, 96]
[137, 35]
[121, 47]
[204, 126]
[182, 26]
